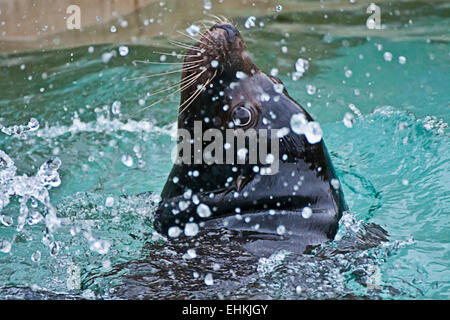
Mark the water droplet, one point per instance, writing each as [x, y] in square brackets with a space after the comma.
[348, 73]
[193, 30]
[214, 64]
[113, 29]
[401, 60]
[274, 72]
[307, 212]
[174, 232]
[298, 290]
[183, 205]
[264, 97]
[195, 199]
[278, 87]
[334, 183]
[5, 246]
[299, 123]
[313, 132]
[109, 202]
[54, 248]
[190, 229]
[100, 246]
[270, 158]
[127, 160]
[240, 75]
[209, 281]
[282, 132]
[250, 22]
[207, 5]
[106, 264]
[187, 194]
[123, 51]
[33, 124]
[115, 108]
[348, 120]
[203, 210]
[278, 8]
[301, 65]
[7, 221]
[36, 257]
[310, 89]
[106, 57]
[387, 56]
[281, 229]
[191, 253]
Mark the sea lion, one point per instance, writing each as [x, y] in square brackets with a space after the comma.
[301, 203]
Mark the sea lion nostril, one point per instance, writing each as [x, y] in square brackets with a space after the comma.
[230, 29]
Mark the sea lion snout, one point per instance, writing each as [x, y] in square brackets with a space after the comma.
[230, 29]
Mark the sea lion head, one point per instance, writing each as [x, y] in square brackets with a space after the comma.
[214, 64]
[222, 89]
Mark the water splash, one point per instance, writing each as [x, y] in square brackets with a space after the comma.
[29, 188]
[104, 124]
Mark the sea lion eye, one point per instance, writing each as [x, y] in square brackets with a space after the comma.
[241, 116]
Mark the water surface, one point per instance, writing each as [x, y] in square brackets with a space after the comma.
[394, 165]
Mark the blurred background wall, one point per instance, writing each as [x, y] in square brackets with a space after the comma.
[42, 24]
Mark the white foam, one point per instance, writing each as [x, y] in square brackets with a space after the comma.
[104, 124]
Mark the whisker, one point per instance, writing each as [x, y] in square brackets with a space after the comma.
[178, 54]
[184, 34]
[164, 73]
[187, 48]
[224, 19]
[170, 94]
[182, 83]
[195, 95]
[214, 16]
[207, 32]
[156, 62]
[209, 21]
[191, 99]
[184, 45]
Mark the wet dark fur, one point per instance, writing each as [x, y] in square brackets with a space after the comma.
[224, 44]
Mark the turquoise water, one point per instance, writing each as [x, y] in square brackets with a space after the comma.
[394, 164]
